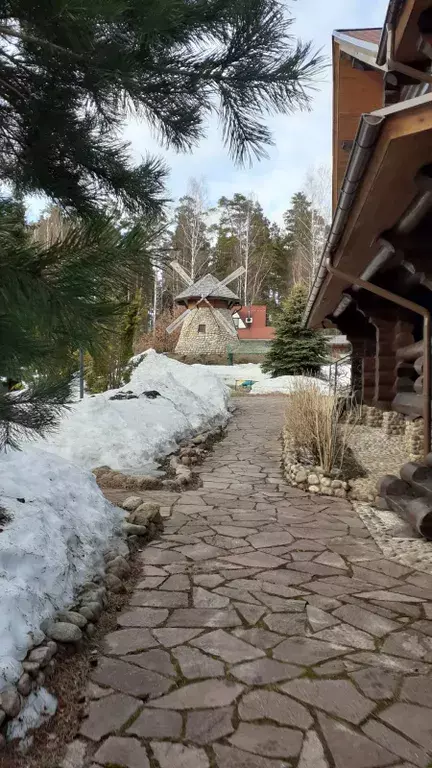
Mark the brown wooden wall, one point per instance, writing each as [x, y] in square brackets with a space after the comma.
[355, 92]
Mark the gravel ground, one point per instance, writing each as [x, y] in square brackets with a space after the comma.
[378, 454]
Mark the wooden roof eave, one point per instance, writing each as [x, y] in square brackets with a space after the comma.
[365, 209]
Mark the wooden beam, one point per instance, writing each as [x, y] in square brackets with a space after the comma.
[411, 352]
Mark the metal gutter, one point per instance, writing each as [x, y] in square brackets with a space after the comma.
[393, 12]
[364, 143]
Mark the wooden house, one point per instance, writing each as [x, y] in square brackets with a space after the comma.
[374, 282]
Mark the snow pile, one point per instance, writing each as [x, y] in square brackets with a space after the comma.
[129, 435]
[232, 373]
[38, 708]
[286, 384]
[61, 525]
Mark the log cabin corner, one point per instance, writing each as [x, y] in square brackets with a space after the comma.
[374, 281]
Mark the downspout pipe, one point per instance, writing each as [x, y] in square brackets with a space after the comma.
[418, 310]
[393, 11]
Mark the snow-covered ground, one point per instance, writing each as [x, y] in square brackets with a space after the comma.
[231, 374]
[265, 385]
[60, 526]
[286, 384]
[132, 434]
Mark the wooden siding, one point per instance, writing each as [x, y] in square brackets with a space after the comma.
[355, 92]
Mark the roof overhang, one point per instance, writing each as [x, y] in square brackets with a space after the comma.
[391, 146]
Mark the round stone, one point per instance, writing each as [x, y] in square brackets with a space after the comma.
[64, 632]
[10, 702]
[72, 617]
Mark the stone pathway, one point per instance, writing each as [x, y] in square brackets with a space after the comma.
[267, 631]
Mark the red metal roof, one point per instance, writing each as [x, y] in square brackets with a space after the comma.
[257, 330]
[368, 35]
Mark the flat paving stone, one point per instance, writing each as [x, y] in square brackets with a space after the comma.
[396, 743]
[143, 617]
[366, 620]
[169, 638]
[157, 660]
[260, 638]
[286, 623]
[306, 651]
[209, 725]
[154, 556]
[235, 531]
[269, 705]
[169, 755]
[124, 641]
[250, 613]
[176, 583]
[255, 560]
[202, 598]
[413, 721]
[417, 690]
[227, 647]
[108, 715]
[312, 754]
[267, 740]
[122, 751]
[229, 757]
[160, 599]
[195, 664]
[385, 597]
[350, 748]
[345, 634]
[376, 683]
[151, 582]
[319, 619]
[408, 644]
[263, 540]
[335, 697]
[152, 724]
[265, 671]
[204, 695]
[201, 551]
[208, 580]
[203, 617]
[332, 559]
[128, 678]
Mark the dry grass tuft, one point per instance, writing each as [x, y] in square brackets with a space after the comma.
[319, 427]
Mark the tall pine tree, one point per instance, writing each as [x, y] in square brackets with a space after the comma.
[296, 350]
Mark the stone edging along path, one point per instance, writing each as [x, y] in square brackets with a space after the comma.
[268, 630]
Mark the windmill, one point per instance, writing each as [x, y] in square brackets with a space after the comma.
[207, 326]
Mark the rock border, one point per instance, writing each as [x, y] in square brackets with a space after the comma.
[75, 623]
[178, 467]
[309, 477]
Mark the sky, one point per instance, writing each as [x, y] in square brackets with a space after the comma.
[302, 140]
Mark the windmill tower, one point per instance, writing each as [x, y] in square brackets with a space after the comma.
[207, 326]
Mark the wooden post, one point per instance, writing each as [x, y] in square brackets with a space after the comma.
[385, 360]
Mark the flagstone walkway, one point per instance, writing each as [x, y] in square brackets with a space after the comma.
[267, 631]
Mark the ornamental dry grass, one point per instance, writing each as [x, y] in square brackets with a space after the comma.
[318, 426]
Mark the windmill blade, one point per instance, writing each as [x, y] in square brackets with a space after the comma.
[180, 271]
[221, 321]
[178, 321]
[232, 276]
